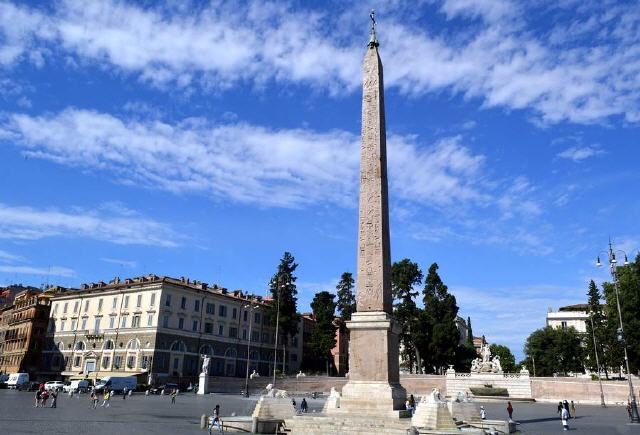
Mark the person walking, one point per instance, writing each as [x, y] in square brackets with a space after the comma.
[44, 397]
[215, 420]
[54, 399]
[559, 407]
[573, 410]
[412, 402]
[303, 406]
[510, 410]
[105, 398]
[565, 405]
[94, 399]
[174, 393]
[483, 413]
[564, 416]
[37, 397]
[124, 393]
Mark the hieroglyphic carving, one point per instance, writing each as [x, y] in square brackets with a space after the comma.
[374, 264]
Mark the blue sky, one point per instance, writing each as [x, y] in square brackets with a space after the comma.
[204, 139]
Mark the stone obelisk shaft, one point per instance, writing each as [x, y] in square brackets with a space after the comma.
[374, 262]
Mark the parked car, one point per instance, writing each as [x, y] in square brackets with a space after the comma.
[18, 381]
[165, 387]
[117, 383]
[78, 386]
[54, 386]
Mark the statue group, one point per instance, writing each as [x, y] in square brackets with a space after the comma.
[486, 364]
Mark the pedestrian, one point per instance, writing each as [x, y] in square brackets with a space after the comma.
[565, 405]
[94, 399]
[559, 407]
[129, 394]
[483, 413]
[44, 397]
[564, 415]
[510, 410]
[215, 420]
[124, 393]
[293, 402]
[407, 406]
[412, 402]
[629, 409]
[303, 406]
[54, 399]
[573, 410]
[38, 394]
[174, 393]
[70, 393]
[105, 398]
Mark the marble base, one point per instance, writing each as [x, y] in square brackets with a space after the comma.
[203, 384]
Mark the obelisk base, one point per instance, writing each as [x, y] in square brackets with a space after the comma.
[374, 376]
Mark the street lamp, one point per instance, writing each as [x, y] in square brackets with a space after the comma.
[246, 379]
[278, 284]
[611, 254]
[595, 350]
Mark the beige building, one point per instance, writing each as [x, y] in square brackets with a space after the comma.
[159, 327]
[566, 317]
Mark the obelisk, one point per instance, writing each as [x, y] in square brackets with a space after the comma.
[374, 378]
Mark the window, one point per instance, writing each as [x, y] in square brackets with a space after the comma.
[265, 337]
[133, 344]
[100, 304]
[564, 325]
[234, 313]
[52, 326]
[233, 332]
[167, 301]
[86, 305]
[165, 322]
[183, 303]
[105, 362]
[196, 306]
[153, 299]
[139, 301]
[220, 329]
[244, 334]
[123, 322]
[62, 326]
[195, 326]
[76, 306]
[117, 361]
[108, 345]
[96, 324]
[180, 323]
[150, 320]
[178, 346]
[55, 308]
[76, 361]
[146, 362]
[73, 325]
[255, 336]
[135, 322]
[114, 303]
[244, 315]
[79, 345]
[66, 305]
[256, 318]
[208, 328]
[112, 321]
[84, 324]
[176, 363]
[222, 311]
[126, 301]
[211, 308]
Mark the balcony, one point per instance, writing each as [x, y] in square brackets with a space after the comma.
[95, 334]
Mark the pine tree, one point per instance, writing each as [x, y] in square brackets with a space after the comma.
[469, 333]
[404, 275]
[323, 337]
[441, 311]
[346, 304]
[284, 291]
[596, 318]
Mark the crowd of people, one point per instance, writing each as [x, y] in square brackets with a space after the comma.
[42, 396]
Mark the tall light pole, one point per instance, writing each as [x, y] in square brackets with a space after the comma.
[246, 379]
[595, 350]
[635, 418]
[275, 347]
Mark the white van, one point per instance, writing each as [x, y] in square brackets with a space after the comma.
[117, 384]
[18, 380]
[78, 386]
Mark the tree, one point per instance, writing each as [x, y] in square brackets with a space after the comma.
[596, 318]
[323, 337]
[346, 304]
[404, 276]
[555, 350]
[507, 360]
[440, 312]
[469, 333]
[284, 292]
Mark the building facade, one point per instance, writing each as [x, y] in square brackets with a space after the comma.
[159, 328]
[23, 327]
[570, 316]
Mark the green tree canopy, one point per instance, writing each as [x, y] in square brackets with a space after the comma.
[346, 304]
[406, 274]
[469, 332]
[555, 350]
[597, 319]
[323, 337]
[284, 291]
[507, 360]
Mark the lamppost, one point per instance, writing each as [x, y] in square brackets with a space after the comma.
[635, 418]
[246, 379]
[278, 284]
[595, 350]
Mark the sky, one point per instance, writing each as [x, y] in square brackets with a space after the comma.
[205, 139]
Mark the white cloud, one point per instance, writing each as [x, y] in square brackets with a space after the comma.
[28, 270]
[584, 75]
[26, 223]
[247, 163]
[124, 263]
[7, 257]
[579, 153]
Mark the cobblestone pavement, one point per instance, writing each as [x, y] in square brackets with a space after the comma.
[155, 414]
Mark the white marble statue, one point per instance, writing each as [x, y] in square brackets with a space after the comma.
[486, 353]
[206, 362]
[497, 367]
[254, 374]
[300, 375]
